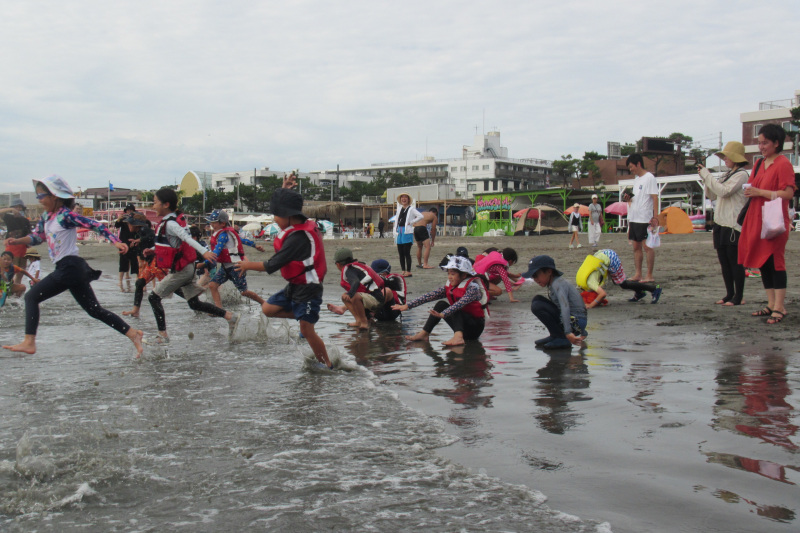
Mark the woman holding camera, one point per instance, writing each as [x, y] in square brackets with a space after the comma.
[772, 178]
[728, 193]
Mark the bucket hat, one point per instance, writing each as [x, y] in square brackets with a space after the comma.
[462, 264]
[57, 186]
[734, 151]
[381, 265]
[539, 262]
[137, 219]
[287, 203]
[18, 203]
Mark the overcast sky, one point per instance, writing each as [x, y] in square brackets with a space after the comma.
[141, 92]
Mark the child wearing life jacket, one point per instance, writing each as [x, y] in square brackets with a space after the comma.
[58, 226]
[176, 251]
[465, 307]
[494, 265]
[562, 312]
[228, 245]
[366, 290]
[7, 272]
[148, 271]
[300, 257]
[397, 287]
[603, 264]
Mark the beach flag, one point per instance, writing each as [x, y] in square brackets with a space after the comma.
[110, 186]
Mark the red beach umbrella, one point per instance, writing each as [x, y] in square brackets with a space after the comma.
[617, 208]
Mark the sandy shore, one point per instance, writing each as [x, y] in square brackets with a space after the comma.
[686, 268]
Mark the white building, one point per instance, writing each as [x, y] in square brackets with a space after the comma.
[482, 168]
[195, 181]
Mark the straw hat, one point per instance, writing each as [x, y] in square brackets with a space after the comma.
[734, 151]
[33, 253]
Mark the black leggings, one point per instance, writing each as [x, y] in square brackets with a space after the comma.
[194, 303]
[405, 256]
[471, 327]
[138, 293]
[74, 275]
[732, 274]
[771, 278]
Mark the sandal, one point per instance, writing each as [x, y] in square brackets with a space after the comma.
[776, 319]
[763, 312]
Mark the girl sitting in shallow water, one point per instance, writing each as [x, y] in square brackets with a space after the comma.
[465, 307]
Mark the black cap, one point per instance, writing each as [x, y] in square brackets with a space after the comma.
[287, 203]
[539, 262]
[462, 251]
[130, 206]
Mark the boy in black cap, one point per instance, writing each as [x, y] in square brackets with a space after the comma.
[127, 261]
[563, 312]
[366, 290]
[300, 257]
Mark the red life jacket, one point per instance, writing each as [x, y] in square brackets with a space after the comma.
[395, 280]
[225, 256]
[313, 268]
[173, 259]
[478, 308]
[370, 280]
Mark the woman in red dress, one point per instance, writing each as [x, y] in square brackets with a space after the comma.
[773, 178]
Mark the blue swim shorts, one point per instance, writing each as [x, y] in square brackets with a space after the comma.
[307, 310]
[224, 274]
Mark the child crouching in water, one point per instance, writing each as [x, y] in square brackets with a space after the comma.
[464, 309]
[562, 312]
[300, 257]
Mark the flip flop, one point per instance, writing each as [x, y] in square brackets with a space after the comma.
[776, 319]
[763, 312]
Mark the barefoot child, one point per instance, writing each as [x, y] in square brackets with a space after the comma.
[34, 265]
[300, 257]
[58, 226]
[494, 265]
[597, 268]
[397, 287]
[563, 312]
[148, 271]
[464, 309]
[229, 248]
[365, 288]
[176, 251]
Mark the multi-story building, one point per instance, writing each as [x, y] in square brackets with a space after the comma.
[774, 112]
[482, 168]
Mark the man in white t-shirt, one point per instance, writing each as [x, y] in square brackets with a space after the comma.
[643, 209]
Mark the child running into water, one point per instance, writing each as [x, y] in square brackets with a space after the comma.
[366, 290]
[148, 271]
[597, 268]
[7, 272]
[300, 257]
[228, 247]
[465, 307]
[58, 226]
[34, 265]
[562, 312]
[176, 251]
[494, 265]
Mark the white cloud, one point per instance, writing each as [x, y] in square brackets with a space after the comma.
[145, 90]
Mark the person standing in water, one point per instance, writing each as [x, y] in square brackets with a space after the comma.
[58, 226]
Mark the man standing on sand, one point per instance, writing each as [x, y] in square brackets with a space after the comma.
[381, 225]
[596, 221]
[425, 235]
[642, 214]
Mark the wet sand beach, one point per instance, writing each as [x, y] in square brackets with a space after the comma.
[680, 416]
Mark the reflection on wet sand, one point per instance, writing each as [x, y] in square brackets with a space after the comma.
[560, 382]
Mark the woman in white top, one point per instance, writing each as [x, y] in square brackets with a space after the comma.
[404, 220]
[728, 193]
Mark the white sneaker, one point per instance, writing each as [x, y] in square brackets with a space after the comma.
[579, 246]
[571, 247]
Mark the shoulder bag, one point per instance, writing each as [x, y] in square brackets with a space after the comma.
[746, 206]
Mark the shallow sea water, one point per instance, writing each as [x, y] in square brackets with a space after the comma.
[672, 432]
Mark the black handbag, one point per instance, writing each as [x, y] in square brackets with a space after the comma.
[743, 212]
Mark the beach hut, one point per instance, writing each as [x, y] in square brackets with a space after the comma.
[675, 220]
[540, 219]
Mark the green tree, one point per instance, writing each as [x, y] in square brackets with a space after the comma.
[566, 168]
[587, 167]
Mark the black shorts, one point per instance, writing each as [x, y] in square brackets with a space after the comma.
[129, 261]
[421, 233]
[637, 231]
